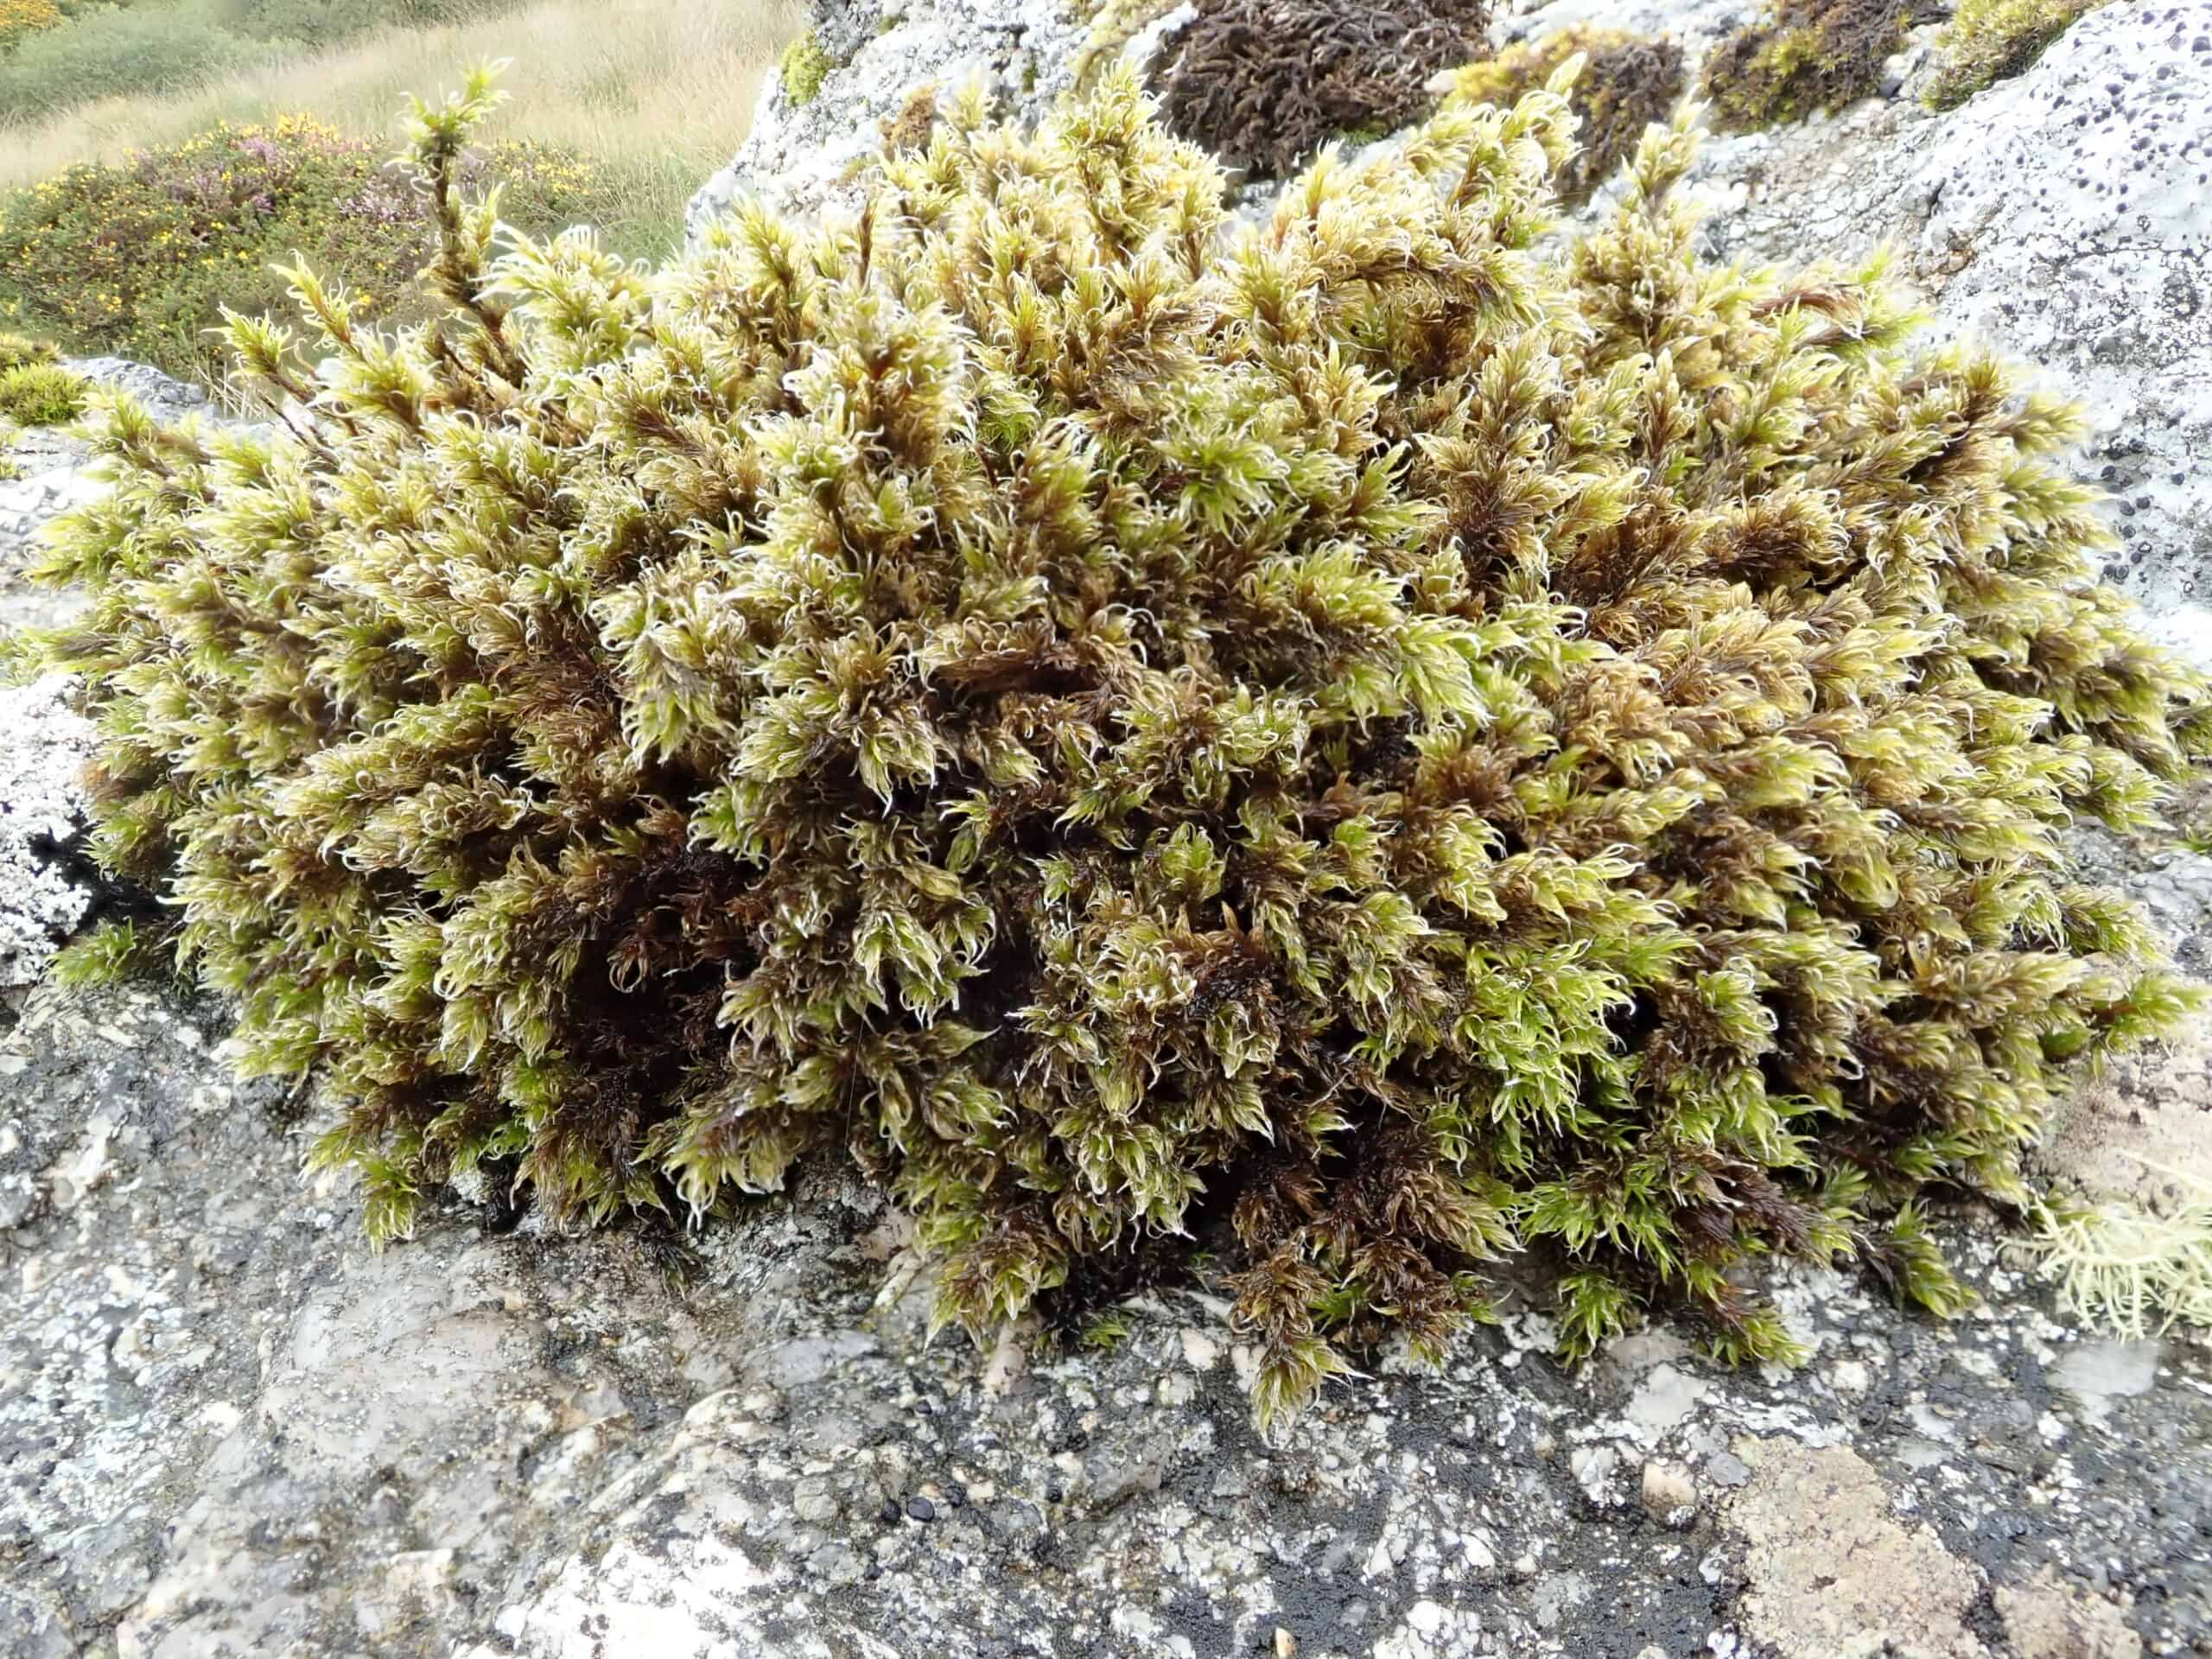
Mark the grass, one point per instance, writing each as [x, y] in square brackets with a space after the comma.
[658, 94]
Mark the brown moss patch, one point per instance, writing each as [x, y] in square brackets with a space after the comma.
[1264, 84]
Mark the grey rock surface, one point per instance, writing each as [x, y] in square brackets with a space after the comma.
[43, 745]
[796, 157]
[229, 1427]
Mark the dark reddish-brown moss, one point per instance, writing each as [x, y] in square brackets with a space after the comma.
[1804, 56]
[1264, 84]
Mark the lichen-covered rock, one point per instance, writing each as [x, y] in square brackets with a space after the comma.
[43, 746]
[801, 154]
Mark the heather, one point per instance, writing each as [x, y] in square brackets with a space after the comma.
[140, 259]
[1359, 747]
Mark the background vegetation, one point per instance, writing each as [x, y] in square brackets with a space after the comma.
[139, 259]
[656, 95]
[155, 160]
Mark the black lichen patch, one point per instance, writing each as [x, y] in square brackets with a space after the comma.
[1806, 55]
[1628, 82]
[1264, 84]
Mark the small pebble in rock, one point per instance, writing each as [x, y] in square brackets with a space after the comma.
[921, 1508]
[889, 1511]
[1727, 1468]
[1669, 1492]
[1285, 1644]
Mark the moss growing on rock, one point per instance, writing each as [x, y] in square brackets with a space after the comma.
[18, 351]
[803, 66]
[1804, 56]
[1628, 82]
[1990, 40]
[1113, 23]
[41, 394]
[1264, 84]
[1366, 746]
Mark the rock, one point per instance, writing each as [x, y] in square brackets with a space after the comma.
[230, 1426]
[797, 155]
[2063, 215]
[2101, 1369]
[44, 891]
[2048, 1618]
[1833, 1576]
[1669, 1494]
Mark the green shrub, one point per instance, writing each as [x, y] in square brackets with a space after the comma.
[139, 259]
[41, 394]
[22, 18]
[1264, 84]
[324, 22]
[1806, 55]
[1358, 749]
[1628, 82]
[109, 54]
[52, 61]
[805, 66]
[1990, 40]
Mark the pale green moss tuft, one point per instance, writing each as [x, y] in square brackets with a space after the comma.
[2126, 1267]
[805, 66]
[42, 394]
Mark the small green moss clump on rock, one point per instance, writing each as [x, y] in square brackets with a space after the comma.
[1357, 748]
[1990, 40]
[1805, 56]
[805, 66]
[41, 394]
[1628, 82]
[1264, 84]
[18, 351]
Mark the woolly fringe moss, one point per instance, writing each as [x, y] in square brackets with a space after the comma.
[1371, 744]
[1628, 82]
